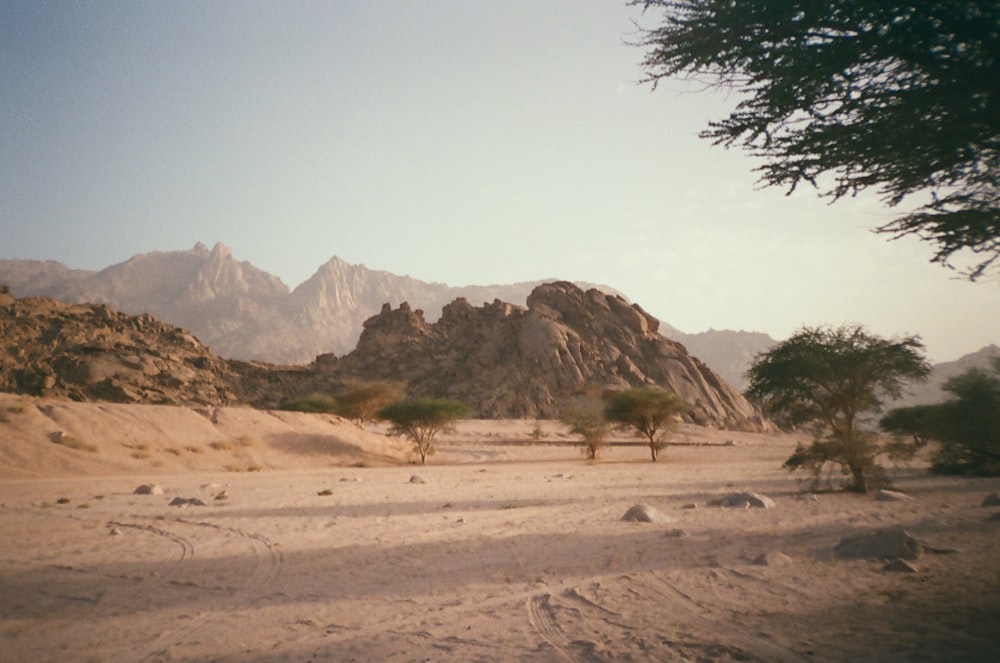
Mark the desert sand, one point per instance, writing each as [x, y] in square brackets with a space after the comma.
[320, 541]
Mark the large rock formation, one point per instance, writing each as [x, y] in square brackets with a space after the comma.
[500, 359]
[92, 352]
[510, 361]
[240, 311]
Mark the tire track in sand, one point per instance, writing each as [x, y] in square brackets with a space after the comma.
[543, 620]
[266, 561]
[705, 619]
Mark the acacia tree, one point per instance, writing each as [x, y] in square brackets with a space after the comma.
[966, 426]
[845, 95]
[421, 419]
[362, 401]
[829, 378]
[650, 412]
[587, 421]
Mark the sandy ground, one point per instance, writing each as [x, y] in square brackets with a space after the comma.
[321, 548]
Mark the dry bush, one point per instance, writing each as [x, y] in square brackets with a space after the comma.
[220, 445]
[71, 442]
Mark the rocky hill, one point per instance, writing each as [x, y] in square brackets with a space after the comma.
[728, 352]
[500, 359]
[92, 352]
[511, 361]
[931, 391]
[240, 311]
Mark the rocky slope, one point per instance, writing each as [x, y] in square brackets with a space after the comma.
[240, 311]
[500, 359]
[92, 352]
[728, 352]
[510, 361]
[931, 391]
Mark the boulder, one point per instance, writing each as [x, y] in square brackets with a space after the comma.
[747, 500]
[186, 501]
[148, 489]
[900, 566]
[772, 559]
[991, 500]
[642, 513]
[891, 496]
[888, 543]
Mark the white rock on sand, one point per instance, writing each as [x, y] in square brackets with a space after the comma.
[505, 564]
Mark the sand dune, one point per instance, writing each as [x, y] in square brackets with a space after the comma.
[508, 550]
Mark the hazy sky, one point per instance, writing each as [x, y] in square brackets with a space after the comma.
[465, 142]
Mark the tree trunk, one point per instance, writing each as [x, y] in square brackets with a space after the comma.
[654, 451]
[859, 482]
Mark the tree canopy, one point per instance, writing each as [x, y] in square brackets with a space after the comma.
[648, 411]
[586, 419]
[846, 95]
[421, 419]
[830, 378]
[966, 426]
[362, 400]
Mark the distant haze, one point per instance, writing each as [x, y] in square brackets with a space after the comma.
[455, 142]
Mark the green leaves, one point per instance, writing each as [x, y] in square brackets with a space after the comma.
[830, 377]
[648, 411]
[421, 419]
[848, 95]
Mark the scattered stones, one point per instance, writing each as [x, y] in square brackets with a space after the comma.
[148, 489]
[186, 501]
[772, 559]
[416, 478]
[641, 513]
[747, 500]
[991, 500]
[889, 543]
[900, 566]
[891, 496]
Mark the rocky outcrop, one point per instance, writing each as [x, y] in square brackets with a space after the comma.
[510, 361]
[728, 352]
[92, 352]
[240, 311]
[499, 359]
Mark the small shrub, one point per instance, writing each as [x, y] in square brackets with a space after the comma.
[62, 500]
[316, 403]
[245, 441]
[220, 445]
[71, 442]
[325, 493]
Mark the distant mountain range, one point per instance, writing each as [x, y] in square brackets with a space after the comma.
[242, 312]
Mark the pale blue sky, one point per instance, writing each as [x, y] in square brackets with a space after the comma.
[465, 142]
